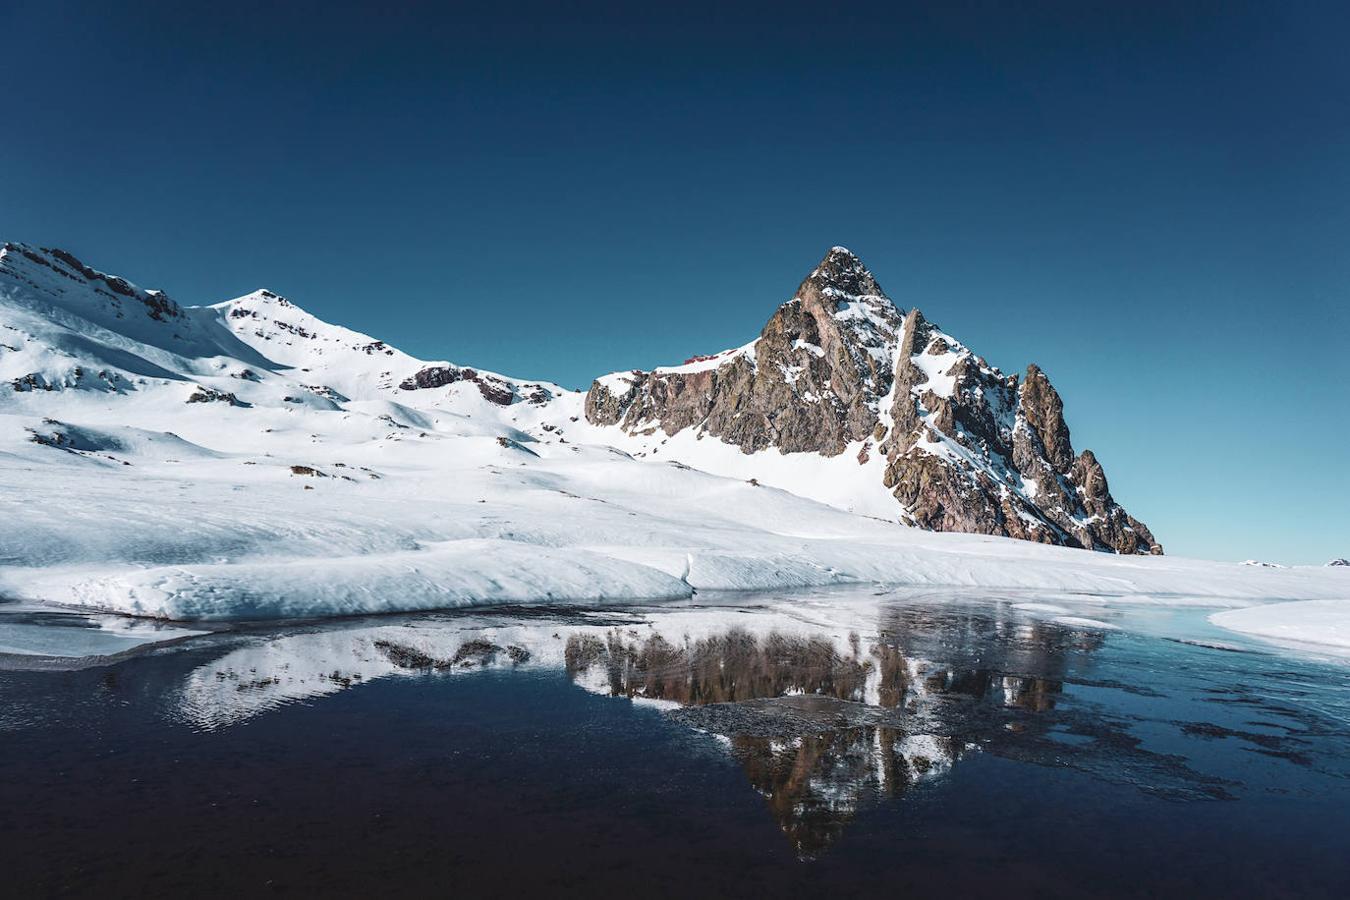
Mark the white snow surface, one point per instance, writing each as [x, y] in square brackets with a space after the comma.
[118, 493]
[1320, 623]
[708, 363]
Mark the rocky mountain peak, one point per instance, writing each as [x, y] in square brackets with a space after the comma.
[838, 371]
[839, 279]
[812, 382]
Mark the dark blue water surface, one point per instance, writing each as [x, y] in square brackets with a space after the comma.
[962, 748]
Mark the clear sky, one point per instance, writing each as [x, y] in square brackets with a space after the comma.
[1151, 201]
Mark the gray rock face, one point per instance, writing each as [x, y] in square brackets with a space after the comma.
[811, 383]
[966, 448]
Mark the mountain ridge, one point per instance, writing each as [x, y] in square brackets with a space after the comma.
[839, 377]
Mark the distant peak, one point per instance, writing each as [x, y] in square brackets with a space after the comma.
[264, 295]
[261, 303]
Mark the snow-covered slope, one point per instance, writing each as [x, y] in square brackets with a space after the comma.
[248, 460]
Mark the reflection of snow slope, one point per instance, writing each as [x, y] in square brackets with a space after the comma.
[269, 672]
[828, 701]
[703, 655]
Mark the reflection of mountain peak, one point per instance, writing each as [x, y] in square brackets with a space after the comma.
[823, 720]
[816, 783]
[726, 667]
[792, 708]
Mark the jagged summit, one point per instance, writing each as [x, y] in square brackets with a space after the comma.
[842, 277]
[839, 372]
[812, 382]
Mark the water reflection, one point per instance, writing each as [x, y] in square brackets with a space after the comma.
[721, 668]
[814, 784]
[841, 722]
[826, 713]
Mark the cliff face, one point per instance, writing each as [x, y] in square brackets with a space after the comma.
[838, 367]
[811, 383]
[972, 449]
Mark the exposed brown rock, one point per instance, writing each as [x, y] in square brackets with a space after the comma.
[1114, 527]
[493, 389]
[211, 395]
[1044, 413]
[811, 383]
[967, 448]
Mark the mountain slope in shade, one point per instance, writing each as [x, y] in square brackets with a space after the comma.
[840, 370]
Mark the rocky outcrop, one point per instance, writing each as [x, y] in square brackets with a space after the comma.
[211, 395]
[155, 304]
[974, 450]
[494, 390]
[964, 446]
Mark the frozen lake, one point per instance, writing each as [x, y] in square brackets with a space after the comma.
[843, 741]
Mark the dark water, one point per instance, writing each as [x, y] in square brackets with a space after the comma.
[900, 747]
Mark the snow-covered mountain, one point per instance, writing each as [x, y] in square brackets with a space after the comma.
[840, 371]
[245, 459]
[72, 328]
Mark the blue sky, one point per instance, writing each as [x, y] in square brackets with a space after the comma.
[1150, 201]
